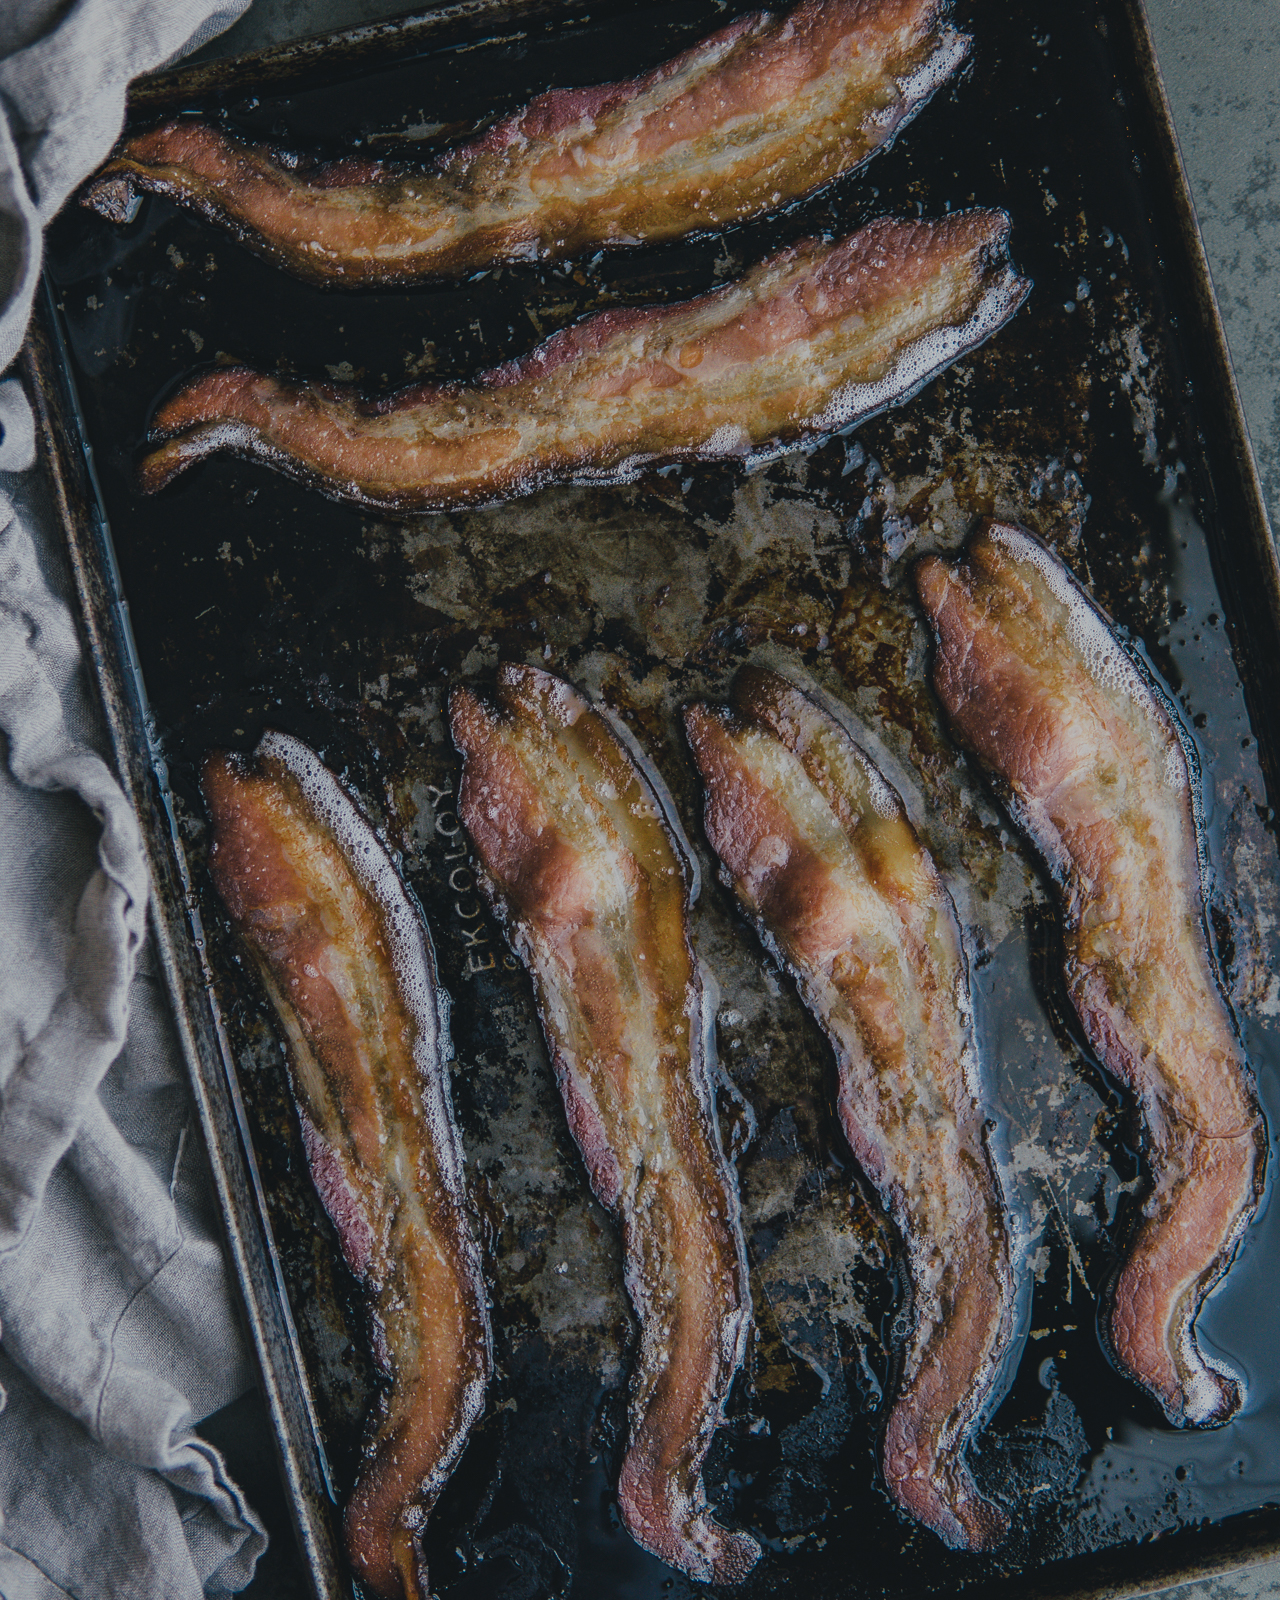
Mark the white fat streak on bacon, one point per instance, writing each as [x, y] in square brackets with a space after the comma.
[758, 114]
[586, 876]
[818, 848]
[408, 943]
[1093, 767]
[812, 341]
[349, 967]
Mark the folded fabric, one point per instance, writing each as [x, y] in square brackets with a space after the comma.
[118, 1322]
[64, 70]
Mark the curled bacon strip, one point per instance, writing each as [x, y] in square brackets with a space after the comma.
[816, 339]
[764, 111]
[587, 875]
[1087, 754]
[822, 856]
[349, 967]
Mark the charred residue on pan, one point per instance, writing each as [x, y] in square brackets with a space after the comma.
[257, 604]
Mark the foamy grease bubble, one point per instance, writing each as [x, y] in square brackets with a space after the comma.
[730, 440]
[1201, 1394]
[409, 941]
[922, 360]
[884, 797]
[565, 702]
[918, 86]
[1105, 658]
[854, 403]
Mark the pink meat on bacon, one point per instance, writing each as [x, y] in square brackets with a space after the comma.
[349, 966]
[760, 113]
[591, 883]
[814, 340]
[1086, 753]
[820, 853]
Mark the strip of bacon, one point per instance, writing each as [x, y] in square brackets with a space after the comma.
[814, 340]
[589, 879]
[764, 111]
[1086, 753]
[349, 966]
[823, 858]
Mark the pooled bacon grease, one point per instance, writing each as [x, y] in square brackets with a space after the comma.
[350, 970]
[814, 340]
[761, 113]
[1087, 754]
[820, 852]
[587, 878]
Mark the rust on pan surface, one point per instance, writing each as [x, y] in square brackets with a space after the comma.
[258, 604]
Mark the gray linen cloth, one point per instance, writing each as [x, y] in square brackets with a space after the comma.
[117, 1327]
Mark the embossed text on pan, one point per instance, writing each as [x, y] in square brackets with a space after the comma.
[1094, 417]
[351, 972]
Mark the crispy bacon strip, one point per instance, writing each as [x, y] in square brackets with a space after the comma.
[822, 856]
[588, 877]
[816, 339]
[1087, 755]
[764, 111]
[349, 966]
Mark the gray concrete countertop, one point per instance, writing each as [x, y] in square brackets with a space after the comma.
[1221, 65]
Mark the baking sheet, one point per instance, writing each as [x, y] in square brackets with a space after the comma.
[256, 604]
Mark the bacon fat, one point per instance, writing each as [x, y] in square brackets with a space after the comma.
[1087, 755]
[349, 966]
[759, 114]
[823, 858]
[587, 875]
[816, 339]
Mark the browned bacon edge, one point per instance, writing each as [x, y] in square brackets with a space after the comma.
[348, 963]
[810, 342]
[759, 114]
[819, 850]
[1089, 757]
[591, 883]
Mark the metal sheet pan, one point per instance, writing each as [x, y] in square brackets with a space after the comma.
[1104, 417]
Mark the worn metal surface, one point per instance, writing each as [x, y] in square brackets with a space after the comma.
[1102, 417]
[109, 643]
